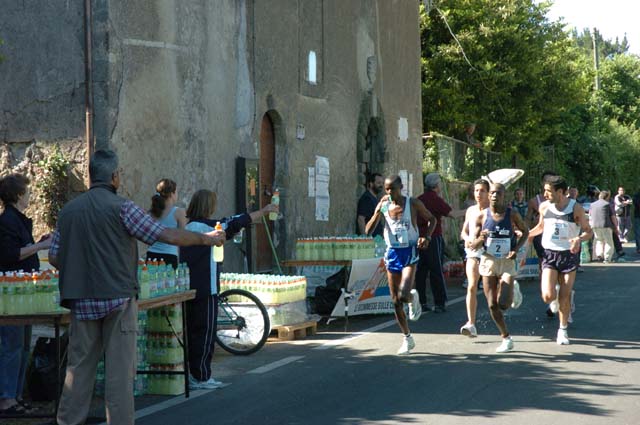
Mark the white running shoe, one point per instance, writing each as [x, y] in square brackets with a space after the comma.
[563, 337]
[554, 306]
[469, 330]
[505, 346]
[517, 295]
[408, 344]
[415, 309]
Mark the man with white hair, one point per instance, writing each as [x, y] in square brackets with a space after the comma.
[430, 263]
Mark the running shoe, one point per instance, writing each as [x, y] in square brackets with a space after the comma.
[554, 306]
[563, 337]
[415, 309]
[517, 295]
[408, 344]
[505, 346]
[469, 330]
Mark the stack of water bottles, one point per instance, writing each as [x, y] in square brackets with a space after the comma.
[24, 293]
[336, 248]
[157, 278]
[163, 351]
[283, 296]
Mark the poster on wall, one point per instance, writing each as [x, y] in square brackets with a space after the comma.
[312, 182]
[404, 176]
[323, 201]
[369, 288]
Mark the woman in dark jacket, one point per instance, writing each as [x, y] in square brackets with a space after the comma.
[18, 251]
[204, 273]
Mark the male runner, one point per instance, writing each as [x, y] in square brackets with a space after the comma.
[495, 231]
[481, 195]
[400, 215]
[560, 223]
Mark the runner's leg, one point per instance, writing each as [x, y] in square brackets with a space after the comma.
[566, 285]
[472, 290]
[395, 280]
[490, 284]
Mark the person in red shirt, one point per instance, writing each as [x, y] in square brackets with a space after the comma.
[430, 263]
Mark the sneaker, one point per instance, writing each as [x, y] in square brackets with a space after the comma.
[517, 295]
[469, 330]
[554, 306]
[505, 346]
[210, 384]
[563, 337]
[408, 344]
[439, 309]
[415, 309]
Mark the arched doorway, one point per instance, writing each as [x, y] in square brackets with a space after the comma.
[263, 255]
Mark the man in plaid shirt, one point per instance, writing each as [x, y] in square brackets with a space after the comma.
[95, 249]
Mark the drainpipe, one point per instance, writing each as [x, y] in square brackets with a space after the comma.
[88, 86]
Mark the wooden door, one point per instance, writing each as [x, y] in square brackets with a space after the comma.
[263, 253]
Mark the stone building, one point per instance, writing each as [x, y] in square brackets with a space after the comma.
[183, 88]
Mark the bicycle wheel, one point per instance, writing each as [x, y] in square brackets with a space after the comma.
[243, 322]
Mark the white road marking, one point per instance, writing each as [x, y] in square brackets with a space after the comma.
[271, 366]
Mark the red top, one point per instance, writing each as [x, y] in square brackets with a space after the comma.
[436, 206]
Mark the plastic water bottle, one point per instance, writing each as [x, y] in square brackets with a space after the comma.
[275, 200]
[218, 251]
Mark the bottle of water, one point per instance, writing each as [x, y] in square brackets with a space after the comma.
[218, 251]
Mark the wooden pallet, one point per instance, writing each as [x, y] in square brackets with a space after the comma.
[296, 331]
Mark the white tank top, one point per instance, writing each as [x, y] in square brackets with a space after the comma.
[559, 227]
[400, 233]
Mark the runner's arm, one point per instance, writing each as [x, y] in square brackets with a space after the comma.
[581, 219]
[516, 219]
[375, 218]
[537, 230]
[479, 236]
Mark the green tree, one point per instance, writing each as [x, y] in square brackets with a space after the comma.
[522, 76]
[619, 95]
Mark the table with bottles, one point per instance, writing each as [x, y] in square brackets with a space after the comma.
[33, 299]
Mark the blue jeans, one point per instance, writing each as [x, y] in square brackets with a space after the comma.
[636, 231]
[14, 357]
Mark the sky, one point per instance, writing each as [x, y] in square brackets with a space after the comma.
[613, 18]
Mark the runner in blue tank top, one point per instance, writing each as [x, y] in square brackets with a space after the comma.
[401, 236]
[495, 230]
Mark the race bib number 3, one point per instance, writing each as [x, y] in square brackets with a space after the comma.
[560, 232]
[498, 247]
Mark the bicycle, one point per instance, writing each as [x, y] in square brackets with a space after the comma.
[243, 322]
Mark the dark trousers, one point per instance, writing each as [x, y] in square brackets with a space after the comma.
[430, 265]
[202, 318]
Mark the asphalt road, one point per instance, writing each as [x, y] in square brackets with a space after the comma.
[356, 378]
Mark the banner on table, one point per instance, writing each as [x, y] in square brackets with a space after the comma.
[527, 262]
[369, 289]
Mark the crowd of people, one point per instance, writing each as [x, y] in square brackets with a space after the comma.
[556, 221]
[94, 246]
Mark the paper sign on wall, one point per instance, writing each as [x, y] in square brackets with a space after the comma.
[404, 176]
[323, 201]
[312, 182]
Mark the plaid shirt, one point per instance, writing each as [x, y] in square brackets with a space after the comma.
[139, 225]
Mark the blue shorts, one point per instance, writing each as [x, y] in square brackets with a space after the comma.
[396, 259]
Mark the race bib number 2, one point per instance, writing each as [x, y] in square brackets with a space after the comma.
[498, 247]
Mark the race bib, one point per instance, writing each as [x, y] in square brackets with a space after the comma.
[560, 232]
[498, 247]
[400, 238]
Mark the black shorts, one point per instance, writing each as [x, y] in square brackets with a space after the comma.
[562, 261]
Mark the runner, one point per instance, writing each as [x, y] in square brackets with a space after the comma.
[561, 221]
[401, 236]
[495, 231]
[481, 195]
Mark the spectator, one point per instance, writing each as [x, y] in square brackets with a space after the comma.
[519, 204]
[164, 210]
[95, 249]
[368, 202]
[623, 213]
[18, 251]
[601, 221]
[430, 263]
[202, 312]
